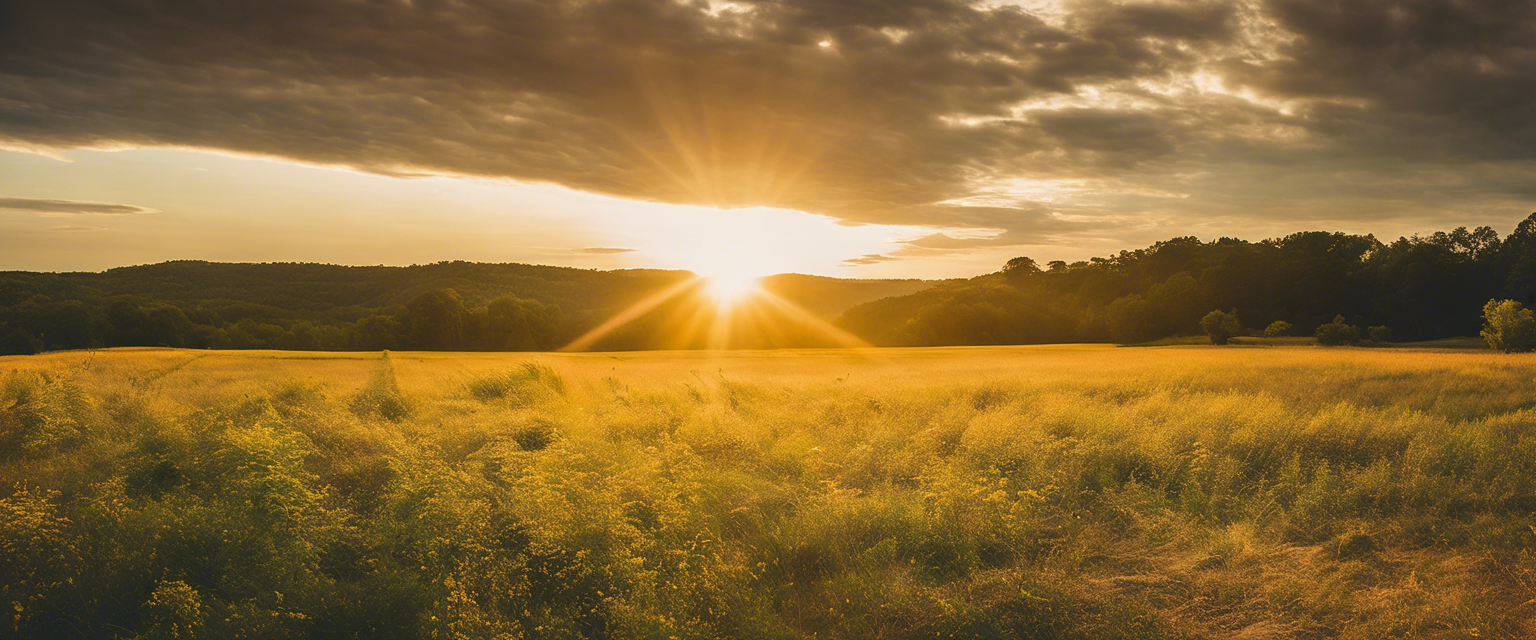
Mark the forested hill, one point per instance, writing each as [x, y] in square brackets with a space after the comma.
[1424, 287]
[447, 305]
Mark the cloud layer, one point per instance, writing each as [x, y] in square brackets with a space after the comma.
[68, 207]
[1093, 118]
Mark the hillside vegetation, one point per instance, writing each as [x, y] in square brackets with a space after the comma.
[1420, 288]
[444, 306]
[1026, 492]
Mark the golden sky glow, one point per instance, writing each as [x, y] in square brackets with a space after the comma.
[729, 289]
[218, 207]
[931, 139]
[722, 312]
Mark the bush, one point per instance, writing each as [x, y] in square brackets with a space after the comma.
[535, 436]
[176, 609]
[41, 413]
[526, 384]
[1378, 334]
[34, 542]
[1337, 333]
[1508, 326]
[1220, 326]
[1277, 328]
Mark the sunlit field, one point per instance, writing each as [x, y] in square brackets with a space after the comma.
[1011, 492]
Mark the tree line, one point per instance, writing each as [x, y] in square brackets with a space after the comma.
[457, 306]
[434, 320]
[1422, 287]
[191, 304]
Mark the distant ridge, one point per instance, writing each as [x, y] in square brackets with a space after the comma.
[191, 303]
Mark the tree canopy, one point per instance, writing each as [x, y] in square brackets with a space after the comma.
[1423, 287]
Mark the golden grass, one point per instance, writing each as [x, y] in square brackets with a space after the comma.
[1067, 491]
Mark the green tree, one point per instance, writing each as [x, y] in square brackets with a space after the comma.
[434, 320]
[168, 326]
[513, 324]
[1220, 326]
[1176, 304]
[20, 343]
[1020, 267]
[1337, 333]
[1277, 328]
[1378, 334]
[374, 333]
[1508, 326]
[1127, 318]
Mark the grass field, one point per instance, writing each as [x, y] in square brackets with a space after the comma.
[1019, 492]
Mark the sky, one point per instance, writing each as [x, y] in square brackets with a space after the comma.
[853, 138]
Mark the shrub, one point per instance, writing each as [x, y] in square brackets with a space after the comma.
[1220, 326]
[1337, 333]
[176, 609]
[524, 385]
[1508, 326]
[34, 543]
[1378, 334]
[41, 413]
[1277, 328]
[535, 436]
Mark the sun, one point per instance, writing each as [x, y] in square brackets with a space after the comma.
[731, 273]
[730, 289]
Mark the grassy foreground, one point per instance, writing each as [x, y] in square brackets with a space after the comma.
[1031, 492]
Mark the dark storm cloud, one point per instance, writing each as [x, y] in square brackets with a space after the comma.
[1435, 79]
[867, 110]
[63, 207]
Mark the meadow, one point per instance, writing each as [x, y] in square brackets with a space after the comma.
[1074, 491]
